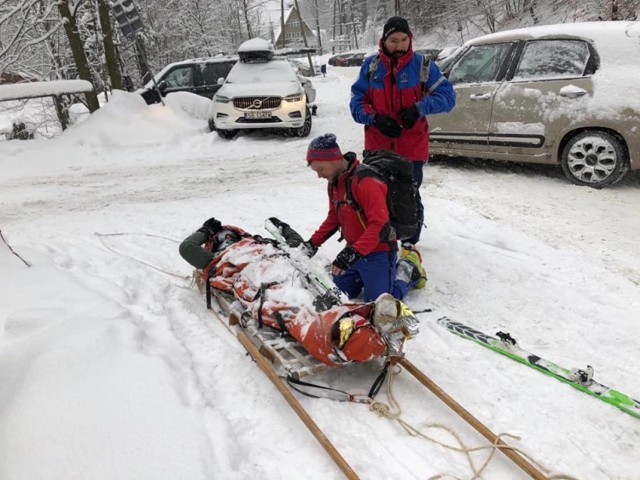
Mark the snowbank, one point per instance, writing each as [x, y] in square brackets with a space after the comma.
[128, 120]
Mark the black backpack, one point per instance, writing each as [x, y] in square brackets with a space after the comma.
[402, 195]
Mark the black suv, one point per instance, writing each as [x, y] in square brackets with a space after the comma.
[202, 76]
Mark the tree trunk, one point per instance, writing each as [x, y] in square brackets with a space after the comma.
[246, 19]
[141, 57]
[315, 5]
[282, 23]
[109, 48]
[61, 111]
[614, 10]
[353, 25]
[77, 48]
[304, 36]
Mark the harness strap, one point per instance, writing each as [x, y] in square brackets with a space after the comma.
[343, 396]
[377, 384]
[260, 295]
[283, 327]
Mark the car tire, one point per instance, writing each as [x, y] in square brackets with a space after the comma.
[227, 134]
[212, 125]
[305, 129]
[594, 158]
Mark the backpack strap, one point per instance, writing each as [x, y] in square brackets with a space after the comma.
[373, 66]
[349, 200]
[425, 67]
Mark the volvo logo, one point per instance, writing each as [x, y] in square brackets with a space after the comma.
[257, 103]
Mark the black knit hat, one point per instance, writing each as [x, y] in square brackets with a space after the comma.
[393, 25]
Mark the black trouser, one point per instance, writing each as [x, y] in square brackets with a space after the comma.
[192, 251]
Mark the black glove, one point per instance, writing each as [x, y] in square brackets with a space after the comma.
[291, 237]
[308, 248]
[211, 227]
[387, 125]
[347, 257]
[409, 116]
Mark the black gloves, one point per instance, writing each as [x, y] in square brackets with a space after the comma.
[291, 237]
[387, 125]
[347, 257]
[409, 116]
[211, 227]
[308, 248]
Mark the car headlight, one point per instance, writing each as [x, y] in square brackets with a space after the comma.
[293, 98]
[221, 99]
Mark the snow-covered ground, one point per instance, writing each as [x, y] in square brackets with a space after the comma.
[112, 369]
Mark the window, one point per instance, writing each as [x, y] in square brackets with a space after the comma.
[480, 64]
[179, 77]
[213, 71]
[552, 59]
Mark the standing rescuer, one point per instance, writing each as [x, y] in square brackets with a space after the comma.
[395, 91]
[367, 265]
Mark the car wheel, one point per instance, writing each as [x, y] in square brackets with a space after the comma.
[227, 134]
[595, 159]
[212, 125]
[305, 129]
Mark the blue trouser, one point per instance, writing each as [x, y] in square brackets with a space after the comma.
[417, 181]
[375, 274]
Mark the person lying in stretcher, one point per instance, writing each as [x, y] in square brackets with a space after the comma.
[280, 294]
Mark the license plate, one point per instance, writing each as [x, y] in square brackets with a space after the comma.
[257, 115]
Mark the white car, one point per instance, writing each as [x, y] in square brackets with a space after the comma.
[262, 92]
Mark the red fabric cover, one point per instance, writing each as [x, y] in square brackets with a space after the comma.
[314, 330]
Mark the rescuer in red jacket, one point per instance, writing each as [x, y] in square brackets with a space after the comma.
[395, 91]
[368, 264]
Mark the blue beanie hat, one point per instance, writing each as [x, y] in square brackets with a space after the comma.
[324, 149]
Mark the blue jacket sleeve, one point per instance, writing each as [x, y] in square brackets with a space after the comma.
[441, 97]
[360, 104]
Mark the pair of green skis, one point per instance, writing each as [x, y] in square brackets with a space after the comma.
[581, 379]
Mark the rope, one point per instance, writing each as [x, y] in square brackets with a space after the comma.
[102, 237]
[13, 251]
[393, 411]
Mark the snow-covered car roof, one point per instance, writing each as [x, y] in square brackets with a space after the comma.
[276, 70]
[614, 39]
[275, 77]
[255, 45]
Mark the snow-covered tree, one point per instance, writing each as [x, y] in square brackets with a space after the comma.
[25, 26]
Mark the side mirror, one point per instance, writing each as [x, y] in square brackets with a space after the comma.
[162, 86]
[220, 80]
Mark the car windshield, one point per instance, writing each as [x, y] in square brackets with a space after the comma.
[267, 72]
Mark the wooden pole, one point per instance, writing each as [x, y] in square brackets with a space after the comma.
[518, 459]
[297, 407]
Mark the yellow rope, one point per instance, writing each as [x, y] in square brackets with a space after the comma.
[393, 411]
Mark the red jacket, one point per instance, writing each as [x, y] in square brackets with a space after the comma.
[361, 229]
[391, 85]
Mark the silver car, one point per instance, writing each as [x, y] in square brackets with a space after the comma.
[566, 94]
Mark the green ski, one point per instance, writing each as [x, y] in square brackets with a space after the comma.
[581, 379]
